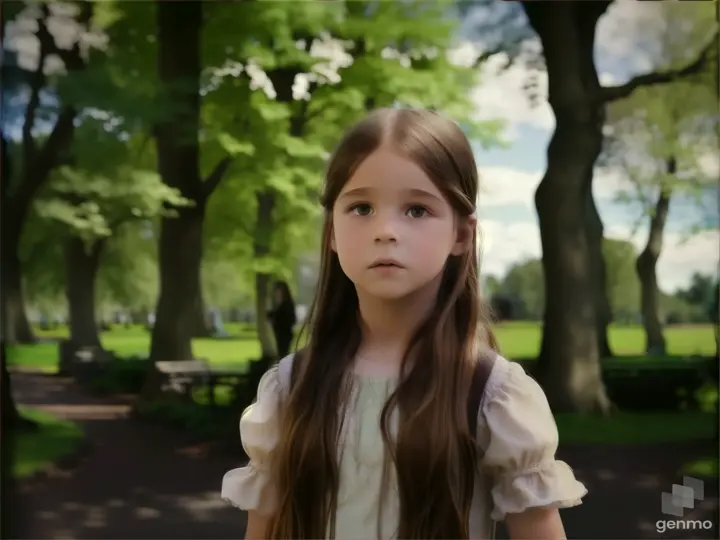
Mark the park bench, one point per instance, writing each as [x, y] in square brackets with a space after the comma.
[182, 376]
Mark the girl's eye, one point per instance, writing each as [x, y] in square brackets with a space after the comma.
[417, 211]
[361, 209]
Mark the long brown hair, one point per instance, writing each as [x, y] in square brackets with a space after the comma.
[433, 452]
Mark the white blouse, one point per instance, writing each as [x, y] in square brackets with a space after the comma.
[516, 436]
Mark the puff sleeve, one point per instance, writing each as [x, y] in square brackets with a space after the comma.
[522, 439]
[250, 487]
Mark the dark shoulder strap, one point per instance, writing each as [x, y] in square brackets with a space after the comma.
[485, 363]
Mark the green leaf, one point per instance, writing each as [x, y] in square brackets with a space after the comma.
[234, 147]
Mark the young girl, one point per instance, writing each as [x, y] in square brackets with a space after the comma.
[365, 433]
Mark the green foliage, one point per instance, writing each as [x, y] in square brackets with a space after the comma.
[346, 56]
[225, 285]
[106, 186]
[622, 283]
[701, 297]
[42, 257]
[675, 121]
[523, 284]
[128, 277]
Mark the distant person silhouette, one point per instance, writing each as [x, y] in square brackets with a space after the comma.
[282, 317]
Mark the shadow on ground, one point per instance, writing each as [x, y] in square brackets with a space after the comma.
[133, 480]
[141, 481]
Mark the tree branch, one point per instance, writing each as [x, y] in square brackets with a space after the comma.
[38, 163]
[614, 93]
[485, 56]
[218, 173]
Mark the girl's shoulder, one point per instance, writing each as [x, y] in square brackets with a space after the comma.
[275, 382]
[283, 372]
[514, 407]
[509, 383]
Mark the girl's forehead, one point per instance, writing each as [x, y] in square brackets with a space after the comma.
[388, 173]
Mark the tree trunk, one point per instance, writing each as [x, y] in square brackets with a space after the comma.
[11, 417]
[13, 424]
[16, 325]
[603, 310]
[178, 154]
[37, 163]
[569, 367]
[180, 243]
[201, 324]
[646, 271]
[175, 314]
[82, 264]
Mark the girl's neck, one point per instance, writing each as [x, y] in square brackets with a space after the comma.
[388, 325]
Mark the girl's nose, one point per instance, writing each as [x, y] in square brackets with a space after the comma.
[386, 230]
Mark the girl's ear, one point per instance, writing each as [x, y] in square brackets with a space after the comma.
[465, 235]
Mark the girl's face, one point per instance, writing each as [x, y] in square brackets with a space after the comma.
[393, 229]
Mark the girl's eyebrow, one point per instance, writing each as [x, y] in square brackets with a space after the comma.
[357, 192]
[366, 191]
[422, 193]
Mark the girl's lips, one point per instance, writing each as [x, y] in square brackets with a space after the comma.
[386, 263]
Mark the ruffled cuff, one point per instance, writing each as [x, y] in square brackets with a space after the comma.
[550, 484]
[249, 488]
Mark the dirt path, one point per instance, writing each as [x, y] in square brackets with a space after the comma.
[133, 481]
[141, 481]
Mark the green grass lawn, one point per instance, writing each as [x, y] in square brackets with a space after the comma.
[136, 341]
[53, 440]
[517, 340]
[522, 339]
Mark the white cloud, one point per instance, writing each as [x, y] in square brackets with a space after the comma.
[503, 94]
[501, 186]
[506, 186]
[630, 28]
[504, 244]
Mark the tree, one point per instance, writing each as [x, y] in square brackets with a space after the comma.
[657, 138]
[523, 283]
[621, 281]
[128, 277]
[700, 292]
[178, 161]
[569, 368]
[317, 68]
[393, 53]
[10, 415]
[37, 159]
[106, 187]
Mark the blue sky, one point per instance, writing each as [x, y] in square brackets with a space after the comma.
[510, 175]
